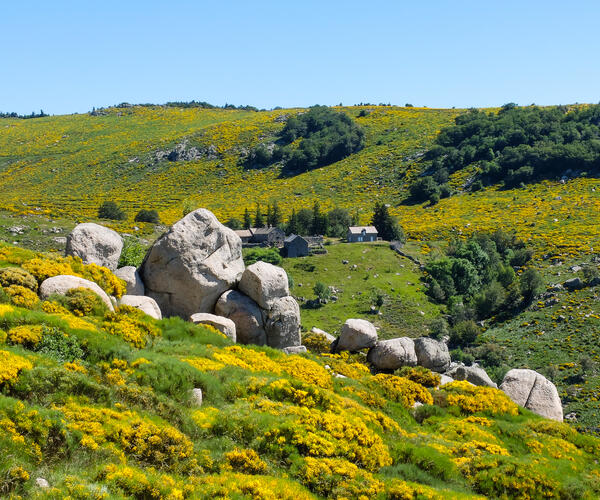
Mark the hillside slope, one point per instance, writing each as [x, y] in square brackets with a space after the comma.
[100, 405]
[69, 164]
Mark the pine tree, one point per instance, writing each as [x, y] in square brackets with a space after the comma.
[269, 215]
[292, 225]
[386, 225]
[319, 220]
[247, 219]
[276, 217]
[258, 218]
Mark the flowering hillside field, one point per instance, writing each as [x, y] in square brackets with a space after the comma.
[99, 404]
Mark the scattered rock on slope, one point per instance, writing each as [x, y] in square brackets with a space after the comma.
[533, 391]
[190, 266]
[393, 354]
[95, 244]
[63, 283]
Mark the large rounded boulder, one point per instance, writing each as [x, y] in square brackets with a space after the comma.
[264, 283]
[356, 334]
[62, 284]
[131, 277]
[192, 265]
[95, 244]
[283, 323]
[533, 391]
[393, 354]
[245, 314]
[432, 354]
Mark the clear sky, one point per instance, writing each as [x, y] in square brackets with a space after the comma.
[68, 56]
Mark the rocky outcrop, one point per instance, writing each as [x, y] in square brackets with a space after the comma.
[282, 323]
[474, 374]
[245, 314]
[145, 304]
[63, 283]
[264, 283]
[356, 334]
[224, 325]
[129, 274]
[192, 265]
[95, 244]
[432, 354]
[533, 391]
[393, 354]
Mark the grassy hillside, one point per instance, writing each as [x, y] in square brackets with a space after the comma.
[69, 164]
[57, 170]
[372, 269]
[99, 405]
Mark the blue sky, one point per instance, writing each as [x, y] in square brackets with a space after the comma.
[68, 56]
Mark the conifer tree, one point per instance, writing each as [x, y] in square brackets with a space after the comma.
[386, 225]
[292, 225]
[258, 217]
[247, 219]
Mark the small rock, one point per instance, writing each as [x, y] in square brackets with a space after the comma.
[40, 482]
[145, 304]
[297, 349]
[317, 331]
[221, 323]
[197, 397]
[573, 284]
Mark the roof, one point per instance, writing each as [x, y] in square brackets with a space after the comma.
[360, 229]
[244, 233]
[265, 230]
[293, 237]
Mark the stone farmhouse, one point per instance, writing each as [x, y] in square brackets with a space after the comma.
[358, 234]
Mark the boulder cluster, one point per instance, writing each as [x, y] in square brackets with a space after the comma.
[194, 271]
[526, 388]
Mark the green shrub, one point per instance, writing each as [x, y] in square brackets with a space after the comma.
[83, 302]
[531, 284]
[59, 346]
[133, 252]
[110, 210]
[147, 216]
[269, 255]
[17, 276]
[464, 333]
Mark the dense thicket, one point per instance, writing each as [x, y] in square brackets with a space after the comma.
[314, 139]
[476, 279]
[514, 146]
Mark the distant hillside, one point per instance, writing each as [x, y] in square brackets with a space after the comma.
[161, 157]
